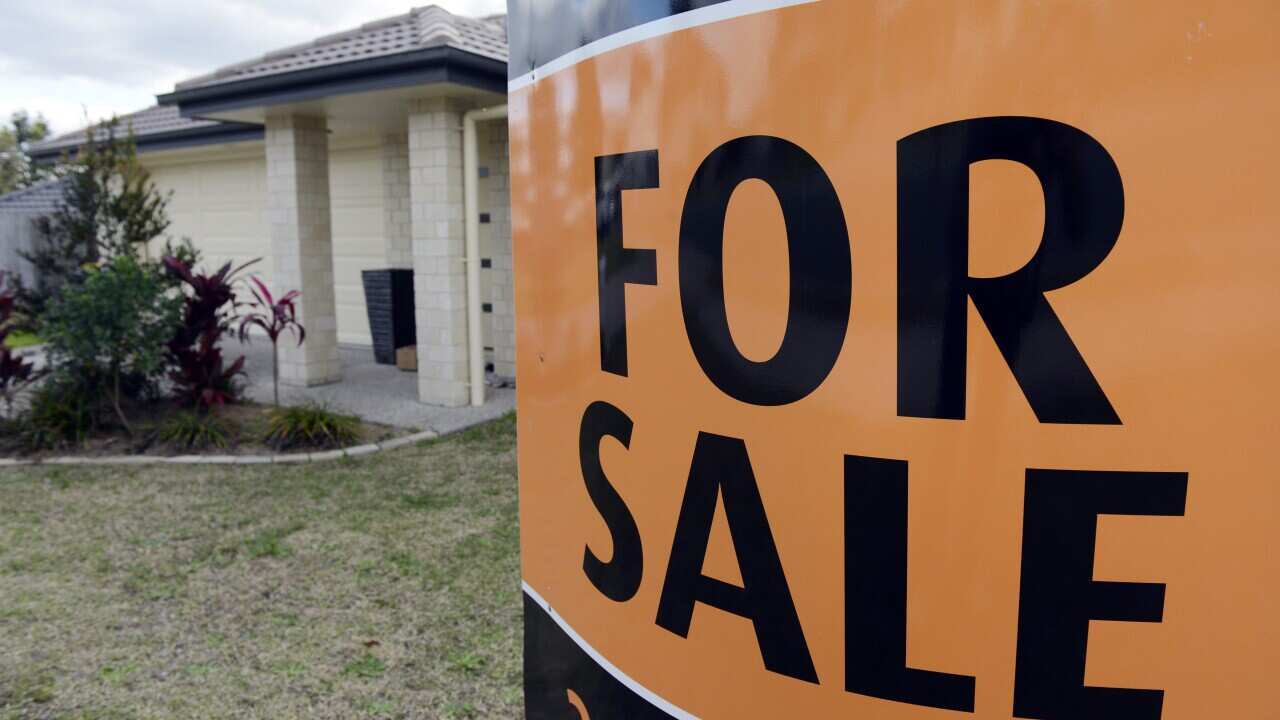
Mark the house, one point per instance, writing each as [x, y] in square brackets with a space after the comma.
[346, 154]
[19, 211]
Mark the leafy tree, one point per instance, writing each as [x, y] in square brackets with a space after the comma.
[110, 206]
[16, 169]
[112, 328]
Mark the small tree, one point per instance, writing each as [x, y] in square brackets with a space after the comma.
[110, 206]
[111, 329]
[274, 317]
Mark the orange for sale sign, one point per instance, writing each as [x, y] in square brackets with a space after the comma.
[898, 358]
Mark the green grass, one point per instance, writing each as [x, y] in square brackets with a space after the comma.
[19, 340]
[378, 587]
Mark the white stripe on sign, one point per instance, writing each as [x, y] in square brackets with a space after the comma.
[655, 28]
[608, 667]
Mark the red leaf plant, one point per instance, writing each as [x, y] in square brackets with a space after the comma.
[200, 376]
[15, 372]
[275, 318]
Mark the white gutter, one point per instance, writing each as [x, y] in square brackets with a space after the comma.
[471, 206]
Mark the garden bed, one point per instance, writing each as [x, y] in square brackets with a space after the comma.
[244, 428]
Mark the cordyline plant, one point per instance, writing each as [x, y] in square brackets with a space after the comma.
[274, 317]
[199, 375]
[15, 373]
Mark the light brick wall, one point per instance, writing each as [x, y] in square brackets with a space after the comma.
[440, 283]
[501, 291]
[396, 206]
[298, 215]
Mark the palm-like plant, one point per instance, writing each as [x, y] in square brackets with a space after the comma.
[275, 318]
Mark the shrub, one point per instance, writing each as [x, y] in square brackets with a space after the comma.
[310, 425]
[274, 317]
[61, 413]
[199, 375]
[112, 327]
[195, 431]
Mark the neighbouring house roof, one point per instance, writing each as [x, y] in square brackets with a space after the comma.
[42, 198]
[426, 45]
[156, 128]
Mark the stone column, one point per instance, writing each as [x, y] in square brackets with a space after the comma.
[301, 243]
[439, 280]
[502, 291]
[397, 223]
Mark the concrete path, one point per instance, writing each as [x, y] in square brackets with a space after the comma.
[378, 393]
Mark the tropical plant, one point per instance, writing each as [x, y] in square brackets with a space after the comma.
[195, 430]
[274, 317]
[16, 373]
[62, 411]
[312, 426]
[200, 377]
[109, 207]
[112, 329]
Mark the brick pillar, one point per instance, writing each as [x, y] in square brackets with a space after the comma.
[302, 244]
[397, 223]
[502, 291]
[439, 273]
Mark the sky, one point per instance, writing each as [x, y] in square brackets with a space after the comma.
[72, 58]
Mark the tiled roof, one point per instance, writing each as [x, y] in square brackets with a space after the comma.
[152, 121]
[43, 197]
[421, 28]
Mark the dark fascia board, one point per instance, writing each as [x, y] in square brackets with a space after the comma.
[421, 67]
[227, 132]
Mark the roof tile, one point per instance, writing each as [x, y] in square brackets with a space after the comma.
[420, 28]
[424, 27]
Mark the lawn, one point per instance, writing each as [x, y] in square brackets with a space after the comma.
[380, 587]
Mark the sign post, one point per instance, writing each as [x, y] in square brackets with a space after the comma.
[898, 359]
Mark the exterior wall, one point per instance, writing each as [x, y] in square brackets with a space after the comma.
[397, 220]
[18, 234]
[219, 202]
[495, 246]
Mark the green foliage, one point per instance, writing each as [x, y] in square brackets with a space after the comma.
[113, 325]
[367, 667]
[62, 413]
[312, 426]
[110, 207]
[270, 542]
[195, 431]
[16, 169]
